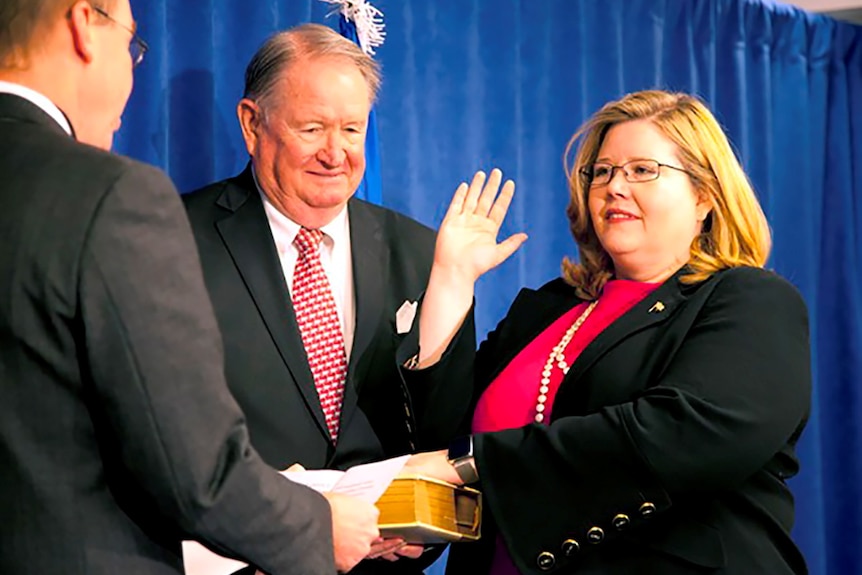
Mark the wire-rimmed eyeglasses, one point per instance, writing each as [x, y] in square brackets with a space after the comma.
[137, 47]
[634, 171]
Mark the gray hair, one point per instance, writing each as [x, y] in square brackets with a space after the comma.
[283, 49]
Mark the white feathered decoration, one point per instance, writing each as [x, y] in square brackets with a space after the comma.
[367, 19]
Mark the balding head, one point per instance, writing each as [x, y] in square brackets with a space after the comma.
[304, 42]
[23, 22]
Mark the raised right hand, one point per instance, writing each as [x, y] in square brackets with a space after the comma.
[466, 248]
[354, 529]
[467, 239]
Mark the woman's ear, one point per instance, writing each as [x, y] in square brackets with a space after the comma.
[703, 207]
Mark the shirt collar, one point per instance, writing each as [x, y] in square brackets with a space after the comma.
[39, 100]
[335, 232]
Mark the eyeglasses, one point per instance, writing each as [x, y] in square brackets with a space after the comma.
[635, 172]
[137, 47]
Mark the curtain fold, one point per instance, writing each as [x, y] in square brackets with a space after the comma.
[472, 84]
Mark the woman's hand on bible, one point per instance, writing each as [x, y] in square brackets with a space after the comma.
[433, 464]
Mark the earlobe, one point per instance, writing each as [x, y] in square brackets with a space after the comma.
[704, 206]
[80, 22]
[248, 113]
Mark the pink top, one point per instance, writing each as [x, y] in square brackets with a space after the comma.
[510, 400]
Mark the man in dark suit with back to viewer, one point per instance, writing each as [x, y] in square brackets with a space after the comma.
[118, 435]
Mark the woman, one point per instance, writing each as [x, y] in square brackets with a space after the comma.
[638, 415]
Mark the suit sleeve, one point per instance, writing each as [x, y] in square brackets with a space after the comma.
[733, 396]
[169, 425]
[441, 394]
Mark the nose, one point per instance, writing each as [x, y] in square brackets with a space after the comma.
[332, 153]
[618, 185]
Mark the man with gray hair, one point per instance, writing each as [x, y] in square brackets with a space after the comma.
[118, 435]
[314, 289]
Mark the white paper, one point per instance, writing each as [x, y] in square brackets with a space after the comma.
[199, 560]
[318, 479]
[367, 482]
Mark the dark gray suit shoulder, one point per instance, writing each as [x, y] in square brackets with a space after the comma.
[207, 195]
[396, 219]
[74, 164]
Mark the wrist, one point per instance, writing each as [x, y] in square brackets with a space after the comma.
[461, 457]
[452, 276]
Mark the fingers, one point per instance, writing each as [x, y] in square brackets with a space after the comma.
[473, 193]
[497, 211]
[456, 206]
[395, 549]
[411, 551]
[354, 529]
[480, 197]
[386, 548]
[509, 246]
[489, 193]
[433, 464]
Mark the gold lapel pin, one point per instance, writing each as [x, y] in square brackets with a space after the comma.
[657, 307]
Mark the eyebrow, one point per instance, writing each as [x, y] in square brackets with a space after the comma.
[604, 160]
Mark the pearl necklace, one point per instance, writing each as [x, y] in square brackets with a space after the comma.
[557, 356]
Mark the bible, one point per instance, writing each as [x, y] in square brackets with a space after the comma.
[424, 511]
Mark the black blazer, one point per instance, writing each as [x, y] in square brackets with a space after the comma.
[118, 435]
[671, 437]
[266, 366]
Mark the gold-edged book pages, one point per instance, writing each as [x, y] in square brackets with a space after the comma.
[425, 510]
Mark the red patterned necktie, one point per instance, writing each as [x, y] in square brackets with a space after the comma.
[319, 326]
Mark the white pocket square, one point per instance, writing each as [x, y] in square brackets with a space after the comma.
[404, 316]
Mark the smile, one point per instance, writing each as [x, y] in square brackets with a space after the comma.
[619, 215]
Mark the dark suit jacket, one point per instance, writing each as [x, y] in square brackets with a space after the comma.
[266, 366]
[118, 435]
[671, 437]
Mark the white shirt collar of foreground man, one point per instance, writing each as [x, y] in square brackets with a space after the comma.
[38, 99]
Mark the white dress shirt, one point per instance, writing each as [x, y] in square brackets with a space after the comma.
[38, 99]
[334, 256]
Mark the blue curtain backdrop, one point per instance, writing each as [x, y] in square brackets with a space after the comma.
[371, 186]
[481, 83]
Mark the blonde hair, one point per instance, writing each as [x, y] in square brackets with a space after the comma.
[735, 233]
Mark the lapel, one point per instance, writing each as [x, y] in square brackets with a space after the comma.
[657, 307]
[530, 314]
[370, 261]
[544, 307]
[246, 234]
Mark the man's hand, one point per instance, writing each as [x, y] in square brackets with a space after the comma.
[354, 529]
[394, 549]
